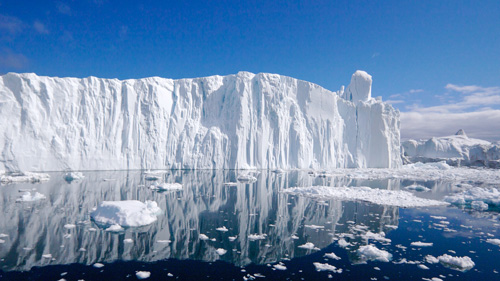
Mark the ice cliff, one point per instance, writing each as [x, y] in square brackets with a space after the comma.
[237, 121]
[457, 150]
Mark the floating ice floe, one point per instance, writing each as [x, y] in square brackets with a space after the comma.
[377, 196]
[128, 241]
[254, 237]
[143, 274]
[246, 178]
[47, 256]
[423, 266]
[222, 229]
[73, 176]
[69, 226]
[476, 195]
[280, 266]
[326, 267]
[220, 251]
[128, 213]
[167, 186]
[376, 236]
[314, 226]
[417, 187]
[203, 237]
[421, 244]
[29, 197]
[332, 256]
[230, 183]
[309, 246]
[493, 241]
[98, 265]
[114, 228]
[458, 263]
[370, 252]
[232, 238]
[343, 243]
[24, 177]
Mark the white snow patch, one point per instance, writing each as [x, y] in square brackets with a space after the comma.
[377, 196]
[129, 213]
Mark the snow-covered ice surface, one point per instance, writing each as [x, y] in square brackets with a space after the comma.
[363, 193]
[475, 196]
[371, 252]
[458, 150]
[128, 213]
[237, 121]
[457, 263]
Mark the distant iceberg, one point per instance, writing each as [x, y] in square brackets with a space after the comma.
[456, 150]
[241, 121]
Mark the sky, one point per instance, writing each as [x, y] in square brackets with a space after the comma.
[438, 62]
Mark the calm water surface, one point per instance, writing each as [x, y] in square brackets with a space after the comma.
[171, 248]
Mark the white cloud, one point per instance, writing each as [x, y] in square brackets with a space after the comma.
[63, 8]
[40, 27]
[477, 111]
[10, 25]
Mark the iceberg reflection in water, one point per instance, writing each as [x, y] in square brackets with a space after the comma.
[61, 225]
[248, 224]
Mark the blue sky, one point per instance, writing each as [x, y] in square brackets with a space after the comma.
[424, 56]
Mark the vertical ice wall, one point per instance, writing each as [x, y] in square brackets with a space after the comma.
[236, 121]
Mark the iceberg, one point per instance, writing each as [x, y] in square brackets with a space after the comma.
[456, 150]
[240, 121]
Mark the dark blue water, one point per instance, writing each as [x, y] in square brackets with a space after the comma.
[33, 229]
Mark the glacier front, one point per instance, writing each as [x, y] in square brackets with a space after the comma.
[241, 121]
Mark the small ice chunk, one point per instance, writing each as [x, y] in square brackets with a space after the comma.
[203, 237]
[47, 256]
[167, 186]
[295, 237]
[128, 213]
[423, 266]
[72, 176]
[421, 244]
[246, 178]
[69, 226]
[280, 266]
[220, 251]
[308, 246]
[343, 243]
[490, 196]
[493, 241]
[458, 263]
[479, 205]
[143, 274]
[28, 197]
[370, 252]
[326, 267]
[431, 259]
[128, 241]
[312, 226]
[232, 238]
[254, 237]
[163, 241]
[98, 265]
[332, 256]
[3, 235]
[230, 183]
[222, 229]
[114, 228]
[376, 236]
[416, 187]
